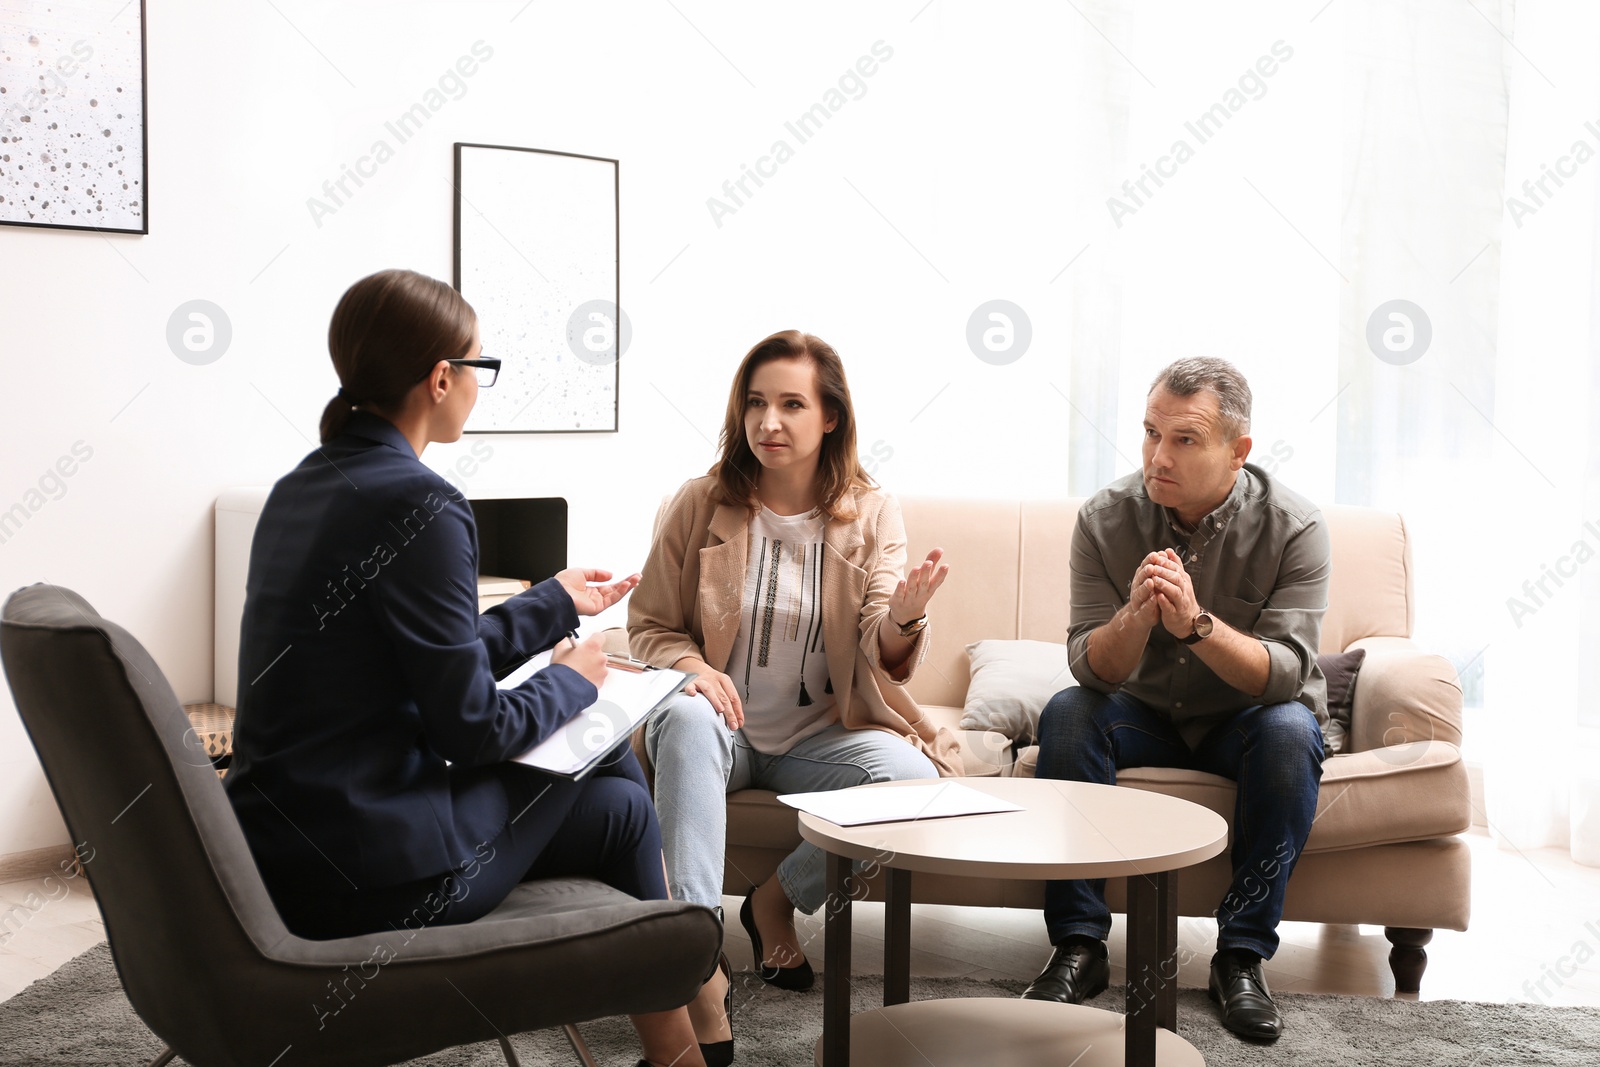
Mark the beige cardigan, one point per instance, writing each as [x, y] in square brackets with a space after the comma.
[688, 604]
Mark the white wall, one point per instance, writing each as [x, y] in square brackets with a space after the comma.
[246, 122]
[958, 177]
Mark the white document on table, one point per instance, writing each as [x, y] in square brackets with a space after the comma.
[906, 803]
[626, 699]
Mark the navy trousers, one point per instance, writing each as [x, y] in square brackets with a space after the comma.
[1274, 752]
[602, 826]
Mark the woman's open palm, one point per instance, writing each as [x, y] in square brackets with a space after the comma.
[909, 601]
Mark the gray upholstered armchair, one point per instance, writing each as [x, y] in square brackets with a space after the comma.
[199, 947]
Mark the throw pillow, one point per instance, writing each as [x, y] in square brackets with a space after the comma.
[1340, 669]
[1011, 683]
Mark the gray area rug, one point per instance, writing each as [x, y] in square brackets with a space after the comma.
[79, 1016]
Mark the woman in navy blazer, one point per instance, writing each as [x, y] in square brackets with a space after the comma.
[370, 768]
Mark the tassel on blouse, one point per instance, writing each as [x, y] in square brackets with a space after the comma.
[813, 626]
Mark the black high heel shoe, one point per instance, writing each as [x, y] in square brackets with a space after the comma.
[796, 979]
[720, 1053]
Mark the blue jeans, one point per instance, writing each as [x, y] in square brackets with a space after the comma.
[698, 761]
[1274, 752]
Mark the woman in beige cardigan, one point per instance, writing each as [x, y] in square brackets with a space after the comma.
[777, 578]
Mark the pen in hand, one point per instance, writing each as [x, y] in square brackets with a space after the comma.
[587, 657]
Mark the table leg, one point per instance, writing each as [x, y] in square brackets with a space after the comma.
[1143, 960]
[836, 976]
[896, 937]
[1167, 950]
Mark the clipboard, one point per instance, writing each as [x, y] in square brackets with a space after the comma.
[628, 697]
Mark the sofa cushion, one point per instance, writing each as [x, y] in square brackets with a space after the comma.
[979, 597]
[1401, 793]
[1044, 584]
[757, 818]
[1011, 683]
[1369, 589]
[1339, 668]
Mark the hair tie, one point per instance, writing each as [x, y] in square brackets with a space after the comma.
[347, 398]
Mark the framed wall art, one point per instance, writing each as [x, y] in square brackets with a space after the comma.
[73, 148]
[537, 255]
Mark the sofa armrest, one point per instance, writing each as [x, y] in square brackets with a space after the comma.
[1403, 695]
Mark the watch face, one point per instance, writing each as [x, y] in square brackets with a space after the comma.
[1202, 625]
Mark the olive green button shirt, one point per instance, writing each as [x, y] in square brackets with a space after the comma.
[1259, 562]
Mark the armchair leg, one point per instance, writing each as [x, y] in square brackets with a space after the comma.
[164, 1057]
[1407, 959]
[511, 1053]
[576, 1039]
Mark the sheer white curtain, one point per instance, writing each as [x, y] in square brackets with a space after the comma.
[1217, 233]
[1540, 504]
[1424, 97]
[1378, 164]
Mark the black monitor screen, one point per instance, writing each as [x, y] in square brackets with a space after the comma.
[521, 537]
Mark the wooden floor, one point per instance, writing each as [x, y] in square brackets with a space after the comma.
[1535, 937]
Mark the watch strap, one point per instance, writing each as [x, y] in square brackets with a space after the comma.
[912, 628]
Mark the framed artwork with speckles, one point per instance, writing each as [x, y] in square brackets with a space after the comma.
[72, 129]
[537, 256]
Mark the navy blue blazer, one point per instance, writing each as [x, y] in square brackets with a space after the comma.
[370, 734]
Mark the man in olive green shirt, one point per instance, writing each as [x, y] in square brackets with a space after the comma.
[1198, 590]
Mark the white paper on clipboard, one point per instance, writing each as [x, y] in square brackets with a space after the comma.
[626, 699]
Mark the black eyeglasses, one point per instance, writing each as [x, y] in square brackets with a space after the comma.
[487, 370]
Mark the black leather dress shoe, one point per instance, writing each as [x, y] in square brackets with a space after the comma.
[1076, 971]
[1239, 988]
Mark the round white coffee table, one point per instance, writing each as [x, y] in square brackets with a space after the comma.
[1066, 830]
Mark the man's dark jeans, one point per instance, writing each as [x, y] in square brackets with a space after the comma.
[1274, 752]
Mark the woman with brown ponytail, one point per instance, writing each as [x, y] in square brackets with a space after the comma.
[371, 749]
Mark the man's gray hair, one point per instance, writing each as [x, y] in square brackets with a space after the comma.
[1187, 377]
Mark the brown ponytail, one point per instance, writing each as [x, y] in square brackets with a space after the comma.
[388, 331]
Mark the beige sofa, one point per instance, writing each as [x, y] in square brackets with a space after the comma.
[1384, 849]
